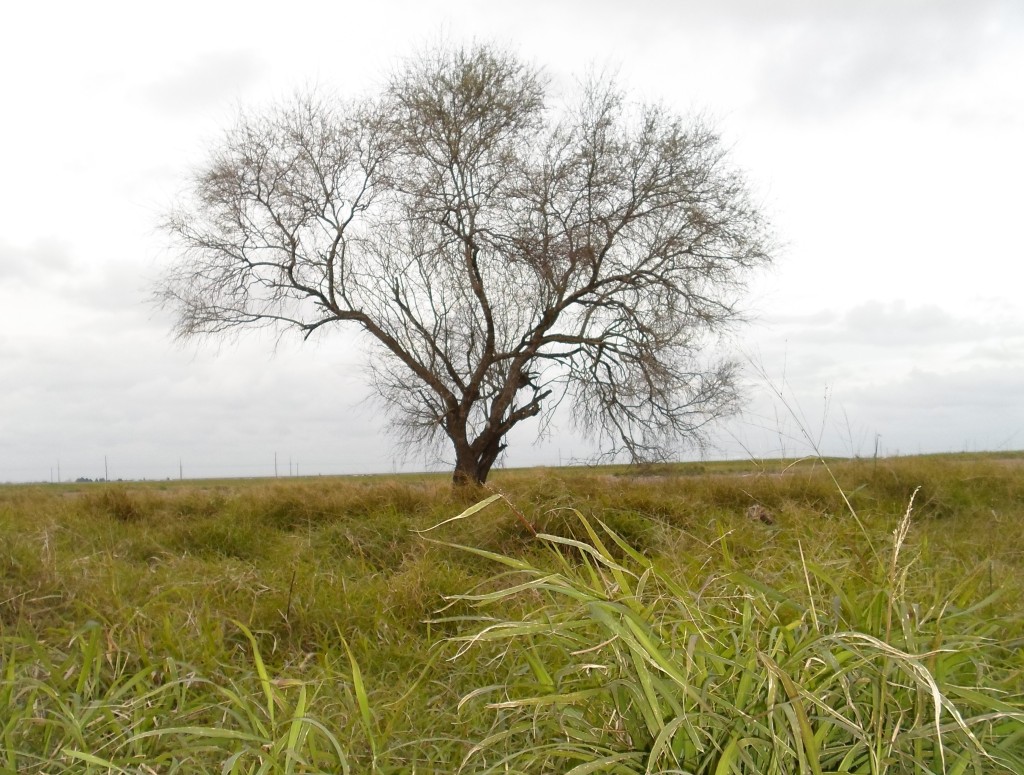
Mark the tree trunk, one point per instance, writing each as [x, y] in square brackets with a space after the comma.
[468, 471]
[473, 462]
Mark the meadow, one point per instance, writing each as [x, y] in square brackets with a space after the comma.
[869, 618]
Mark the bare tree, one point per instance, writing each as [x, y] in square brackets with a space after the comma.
[502, 253]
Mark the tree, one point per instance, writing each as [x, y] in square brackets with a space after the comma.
[501, 253]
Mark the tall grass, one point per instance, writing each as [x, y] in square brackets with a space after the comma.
[612, 620]
[91, 708]
[620, 668]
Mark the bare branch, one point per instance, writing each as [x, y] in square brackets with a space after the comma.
[504, 254]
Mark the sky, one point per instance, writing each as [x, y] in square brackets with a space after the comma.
[882, 137]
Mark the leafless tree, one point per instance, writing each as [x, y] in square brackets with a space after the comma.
[503, 253]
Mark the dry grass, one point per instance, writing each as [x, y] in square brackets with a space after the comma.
[293, 626]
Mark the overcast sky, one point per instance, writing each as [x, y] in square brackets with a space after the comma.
[884, 138]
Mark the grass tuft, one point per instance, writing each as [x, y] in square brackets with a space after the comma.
[605, 620]
[621, 669]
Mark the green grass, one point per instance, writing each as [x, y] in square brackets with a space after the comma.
[591, 620]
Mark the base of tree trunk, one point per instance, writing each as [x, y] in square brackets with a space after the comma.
[461, 478]
[469, 472]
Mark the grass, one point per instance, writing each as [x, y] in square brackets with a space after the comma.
[605, 620]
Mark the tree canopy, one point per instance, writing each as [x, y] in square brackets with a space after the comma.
[503, 252]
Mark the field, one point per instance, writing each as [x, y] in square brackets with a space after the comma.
[582, 620]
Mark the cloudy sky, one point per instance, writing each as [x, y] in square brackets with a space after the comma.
[884, 138]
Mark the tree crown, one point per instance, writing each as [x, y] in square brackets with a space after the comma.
[503, 255]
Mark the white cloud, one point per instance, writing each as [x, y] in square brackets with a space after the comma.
[919, 411]
[883, 324]
[209, 81]
[44, 259]
[884, 133]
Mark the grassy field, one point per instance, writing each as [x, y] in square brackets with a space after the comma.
[584, 620]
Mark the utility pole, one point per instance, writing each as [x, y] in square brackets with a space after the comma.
[275, 465]
[58, 472]
[106, 471]
[181, 474]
